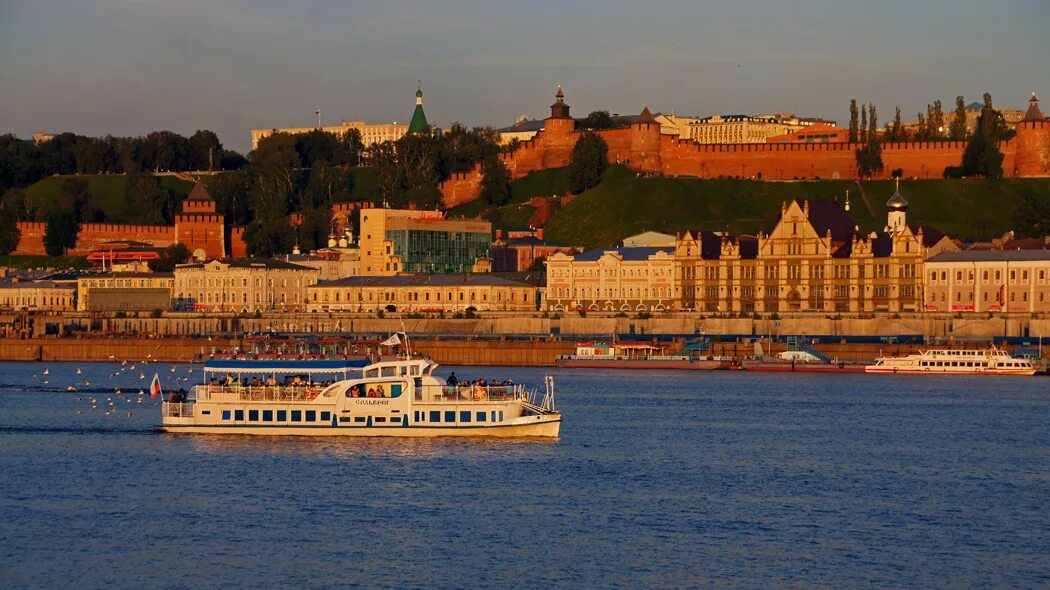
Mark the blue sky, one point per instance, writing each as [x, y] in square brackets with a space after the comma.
[132, 66]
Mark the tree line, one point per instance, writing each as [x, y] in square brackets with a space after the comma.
[981, 158]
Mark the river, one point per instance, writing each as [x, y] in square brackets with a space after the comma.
[659, 480]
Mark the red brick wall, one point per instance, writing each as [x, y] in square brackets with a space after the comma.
[238, 247]
[204, 231]
[31, 240]
[643, 148]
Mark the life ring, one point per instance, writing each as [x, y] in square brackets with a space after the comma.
[842, 365]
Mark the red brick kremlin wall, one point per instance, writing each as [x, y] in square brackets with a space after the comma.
[93, 235]
[641, 147]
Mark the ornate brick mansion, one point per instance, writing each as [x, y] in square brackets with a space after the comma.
[812, 259]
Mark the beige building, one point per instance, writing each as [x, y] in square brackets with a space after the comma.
[812, 259]
[125, 291]
[424, 293]
[649, 238]
[989, 281]
[243, 285]
[616, 279]
[739, 128]
[37, 296]
[370, 132]
[395, 241]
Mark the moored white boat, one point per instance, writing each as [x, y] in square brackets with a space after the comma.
[991, 361]
[343, 398]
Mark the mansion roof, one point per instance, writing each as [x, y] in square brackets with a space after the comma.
[636, 253]
[992, 256]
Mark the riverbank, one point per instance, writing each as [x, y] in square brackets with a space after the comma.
[468, 351]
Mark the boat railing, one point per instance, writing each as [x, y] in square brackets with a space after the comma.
[258, 393]
[177, 409]
[472, 393]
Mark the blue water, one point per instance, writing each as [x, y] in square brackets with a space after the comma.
[659, 480]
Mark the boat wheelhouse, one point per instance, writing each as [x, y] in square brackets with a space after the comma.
[991, 361]
[355, 398]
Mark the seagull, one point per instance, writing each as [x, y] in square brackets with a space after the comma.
[173, 368]
[129, 413]
[78, 370]
[47, 371]
[142, 376]
[71, 388]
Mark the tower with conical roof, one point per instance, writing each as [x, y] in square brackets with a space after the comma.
[1032, 156]
[419, 119]
[898, 210]
[199, 226]
[1033, 113]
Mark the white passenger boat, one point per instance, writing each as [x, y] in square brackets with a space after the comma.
[353, 398]
[991, 361]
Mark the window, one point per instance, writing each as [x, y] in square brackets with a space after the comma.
[359, 418]
[253, 415]
[464, 416]
[380, 418]
[311, 415]
[238, 415]
[326, 416]
[501, 415]
[481, 416]
[435, 416]
[297, 415]
[282, 415]
[225, 414]
[450, 416]
[267, 415]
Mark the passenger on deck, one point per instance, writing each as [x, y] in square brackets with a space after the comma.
[452, 380]
[355, 391]
[380, 392]
[371, 392]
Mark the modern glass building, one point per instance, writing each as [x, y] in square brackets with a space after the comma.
[395, 241]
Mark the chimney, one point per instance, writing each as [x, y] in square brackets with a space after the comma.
[539, 234]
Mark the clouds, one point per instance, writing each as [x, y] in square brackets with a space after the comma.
[129, 66]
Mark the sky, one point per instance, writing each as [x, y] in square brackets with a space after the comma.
[127, 67]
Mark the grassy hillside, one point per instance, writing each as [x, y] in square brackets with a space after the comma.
[105, 189]
[624, 204]
[516, 214]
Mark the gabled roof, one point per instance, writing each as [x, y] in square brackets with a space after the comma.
[930, 234]
[825, 215]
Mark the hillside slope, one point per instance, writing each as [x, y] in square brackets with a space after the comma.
[625, 204]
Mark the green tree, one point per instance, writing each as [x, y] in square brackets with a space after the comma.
[869, 158]
[231, 192]
[935, 121]
[598, 120]
[921, 129]
[61, 232]
[982, 156]
[854, 136]
[495, 181]
[270, 235]
[895, 132]
[204, 151]
[148, 201]
[313, 231]
[20, 163]
[863, 123]
[1031, 214]
[9, 233]
[873, 122]
[176, 253]
[958, 127]
[589, 159]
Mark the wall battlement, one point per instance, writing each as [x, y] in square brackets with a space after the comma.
[641, 147]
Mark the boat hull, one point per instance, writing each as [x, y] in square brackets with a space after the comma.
[686, 365]
[774, 366]
[547, 426]
[938, 371]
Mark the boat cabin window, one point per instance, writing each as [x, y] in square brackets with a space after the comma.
[297, 415]
[389, 390]
[481, 416]
[450, 416]
[267, 415]
[435, 416]
[226, 414]
[253, 415]
[311, 415]
[282, 415]
[464, 416]
[238, 415]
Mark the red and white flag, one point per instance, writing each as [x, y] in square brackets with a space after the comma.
[154, 386]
